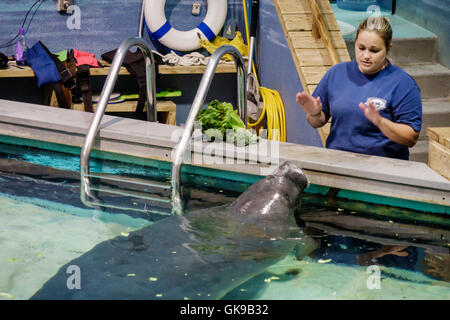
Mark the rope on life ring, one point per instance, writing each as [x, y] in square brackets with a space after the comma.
[172, 38]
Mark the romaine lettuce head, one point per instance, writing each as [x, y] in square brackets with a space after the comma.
[222, 116]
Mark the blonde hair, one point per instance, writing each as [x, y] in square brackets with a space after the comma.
[380, 25]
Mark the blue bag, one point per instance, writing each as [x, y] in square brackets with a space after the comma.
[42, 64]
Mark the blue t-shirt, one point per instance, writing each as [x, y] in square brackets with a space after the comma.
[341, 90]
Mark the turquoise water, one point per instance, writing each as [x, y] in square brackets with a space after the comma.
[39, 236]
[403, 29]
[342, 255]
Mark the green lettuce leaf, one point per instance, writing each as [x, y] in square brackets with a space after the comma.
[222, 116]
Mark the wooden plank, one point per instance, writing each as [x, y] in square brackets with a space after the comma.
[105, 71]
[319, 57]
[311, 88]
[15, 72]
[324, 132]
[325, 6]
[228, 67]
[130, 106]
[171, 117]
[432, 134]
[305, 40]
[313, 75]
[27, 72]
[290, 45]
[439, 158]
[301, 6]
[320, 30]
[303, 22]
[293, 6]
[440, 135]
[165, 106]
[331, 21]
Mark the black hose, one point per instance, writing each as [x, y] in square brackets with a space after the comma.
[11, 42]
[254, 17]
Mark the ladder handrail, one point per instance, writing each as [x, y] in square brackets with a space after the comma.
[103, 101]
[197, 105]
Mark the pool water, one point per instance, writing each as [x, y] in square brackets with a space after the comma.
[44, 225]
[37, 238]
[330, 264]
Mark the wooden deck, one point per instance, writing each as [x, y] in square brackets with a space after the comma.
[14, 71]
[166, 109]
[439, 150]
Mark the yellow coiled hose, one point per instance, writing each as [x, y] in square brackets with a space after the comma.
[273, 107]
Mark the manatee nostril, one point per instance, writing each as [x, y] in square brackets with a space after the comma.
[292, 272]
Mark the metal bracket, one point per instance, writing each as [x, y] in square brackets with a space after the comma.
[63, 5]
[196, 8]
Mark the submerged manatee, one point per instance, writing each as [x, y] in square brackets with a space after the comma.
[202, 255]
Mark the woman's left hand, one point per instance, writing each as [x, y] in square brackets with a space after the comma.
[371, 113]
[398, 132]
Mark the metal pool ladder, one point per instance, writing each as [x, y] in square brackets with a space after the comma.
[87, 196]
[199, 99]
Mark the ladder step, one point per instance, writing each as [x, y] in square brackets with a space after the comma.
[134, 194]
[145, 210]
[121, 179]
[151, 197]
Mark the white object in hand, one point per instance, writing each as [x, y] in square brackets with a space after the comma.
[379, 103]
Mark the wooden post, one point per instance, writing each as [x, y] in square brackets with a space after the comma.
[320, 30]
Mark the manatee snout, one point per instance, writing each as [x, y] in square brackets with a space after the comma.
[291, 171]
[275, 195]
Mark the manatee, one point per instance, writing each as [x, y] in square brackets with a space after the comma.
[201, 255]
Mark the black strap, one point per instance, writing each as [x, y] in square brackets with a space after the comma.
[3, 61]
[64, 73]
[142, 95]
[135, 64]
[60, 95]
[84, 83]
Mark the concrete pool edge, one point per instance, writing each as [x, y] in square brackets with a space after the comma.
[378, 176]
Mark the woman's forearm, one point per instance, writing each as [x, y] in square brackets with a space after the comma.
[313, 108]
[316, 121]
[398, 132]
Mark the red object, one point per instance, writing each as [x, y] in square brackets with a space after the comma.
[85, 58]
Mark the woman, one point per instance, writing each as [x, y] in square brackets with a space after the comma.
[358, 125]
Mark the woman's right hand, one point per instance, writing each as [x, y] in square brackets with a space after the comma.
[309, 104]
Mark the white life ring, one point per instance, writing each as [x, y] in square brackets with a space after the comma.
[161, 29]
